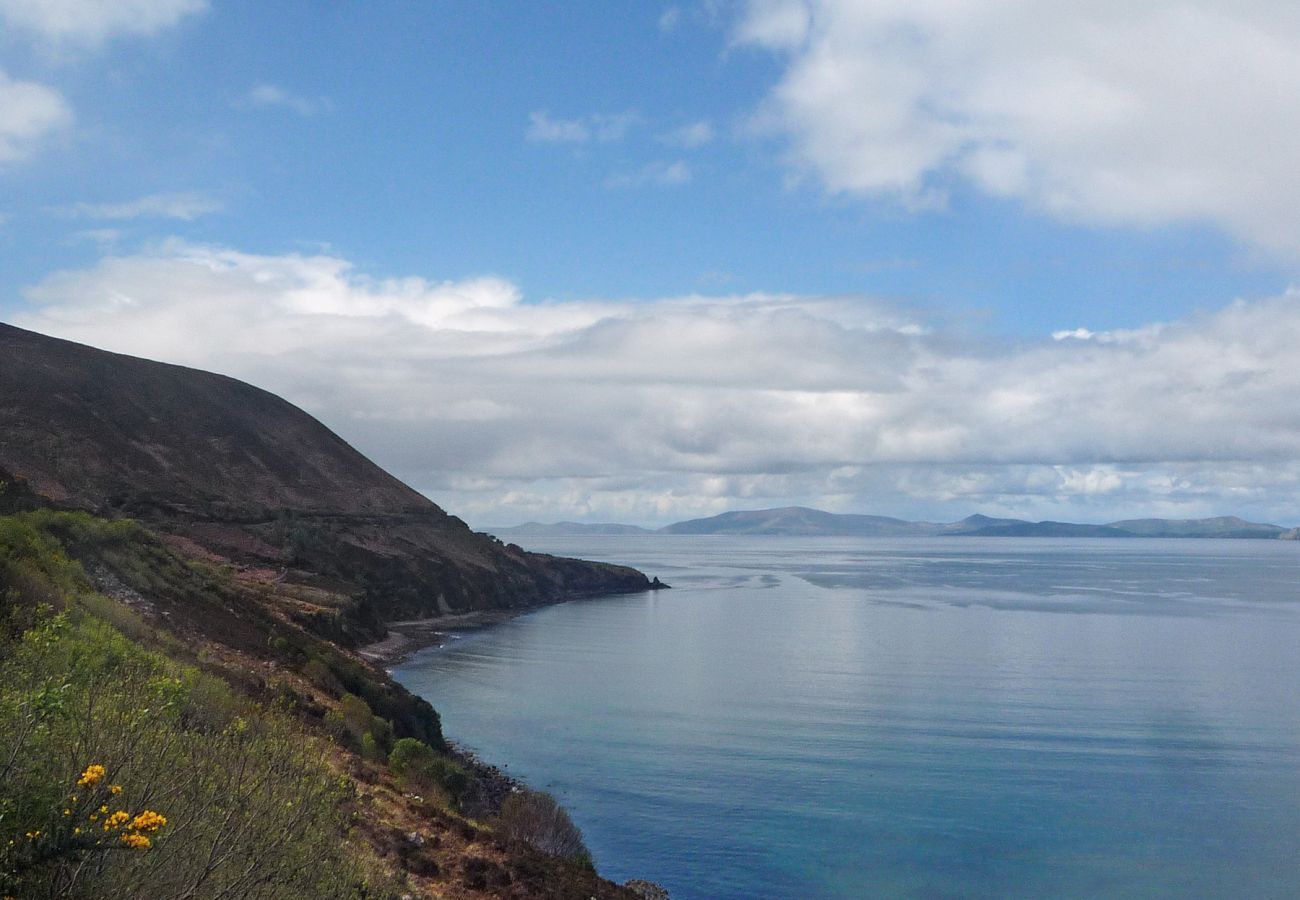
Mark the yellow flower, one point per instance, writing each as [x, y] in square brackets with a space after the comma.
[148, 821]
[93, 775]
[104, 808]
[136, 841]
[115, 789]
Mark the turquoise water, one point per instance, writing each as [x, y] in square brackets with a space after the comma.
[847, 718]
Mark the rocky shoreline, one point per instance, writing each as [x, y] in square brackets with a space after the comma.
[406, 638]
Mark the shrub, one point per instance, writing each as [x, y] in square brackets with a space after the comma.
[200, 793]
[320, 674]
[536, 818]
[421, 768]
[355, 726]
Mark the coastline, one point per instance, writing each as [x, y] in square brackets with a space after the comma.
[406, 638]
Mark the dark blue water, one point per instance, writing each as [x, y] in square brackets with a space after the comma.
[846, 718]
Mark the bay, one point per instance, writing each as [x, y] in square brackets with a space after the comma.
[949, 717]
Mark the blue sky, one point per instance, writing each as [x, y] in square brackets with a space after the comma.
[883, 210]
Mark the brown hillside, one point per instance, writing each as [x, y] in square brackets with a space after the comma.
[253, 479]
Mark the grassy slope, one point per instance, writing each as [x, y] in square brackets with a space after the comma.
[111, 632]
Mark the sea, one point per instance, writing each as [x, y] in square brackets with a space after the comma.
[908, 717]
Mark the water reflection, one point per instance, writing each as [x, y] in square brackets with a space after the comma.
[848, 718]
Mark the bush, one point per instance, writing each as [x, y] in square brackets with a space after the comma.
[124, 774]
[320, 674]
[356, 727]
[421, 768]
[536, 818]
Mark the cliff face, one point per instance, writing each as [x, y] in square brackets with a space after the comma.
[253, 479]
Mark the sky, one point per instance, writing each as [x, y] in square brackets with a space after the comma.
[641, 262]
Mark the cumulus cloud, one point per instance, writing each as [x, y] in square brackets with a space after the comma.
[1134, 114]
[29, 112]
[185, 206]
[93, 21]
[648, 411]
[272, 96]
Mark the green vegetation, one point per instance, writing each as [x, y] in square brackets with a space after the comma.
[169, 730]
[125, 773]
[419, 768]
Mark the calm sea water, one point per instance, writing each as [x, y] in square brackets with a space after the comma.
[959, 717]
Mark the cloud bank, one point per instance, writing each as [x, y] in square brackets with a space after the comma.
[1165, 111]
[649, 411]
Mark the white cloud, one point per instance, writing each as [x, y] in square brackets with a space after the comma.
[93, 21]
[670, 19]
[29, 112]
[185, 206]
[272, 96]
[600, 127]
[1137, 114]
[1078, 334]
[654, 410]
[659, 172]
[541, 127]
[696, 134]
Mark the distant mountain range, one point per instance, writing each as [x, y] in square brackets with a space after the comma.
[802, 521]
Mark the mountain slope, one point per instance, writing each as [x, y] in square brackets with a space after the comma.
[802, 521]
[1218, 527]
[252, 478]
[1017, 528]
[798, 520]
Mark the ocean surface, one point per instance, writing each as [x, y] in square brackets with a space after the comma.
[960, 717]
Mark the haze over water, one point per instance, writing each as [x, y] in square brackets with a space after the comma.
[932, 718]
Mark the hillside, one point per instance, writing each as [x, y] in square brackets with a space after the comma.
[1218, 527]
[247, 476]
[240, 755]
[798, 520]
[190, 557]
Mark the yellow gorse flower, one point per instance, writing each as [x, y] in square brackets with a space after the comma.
[136, 841]
[148, 821]
[93, 775]
[116, 820]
